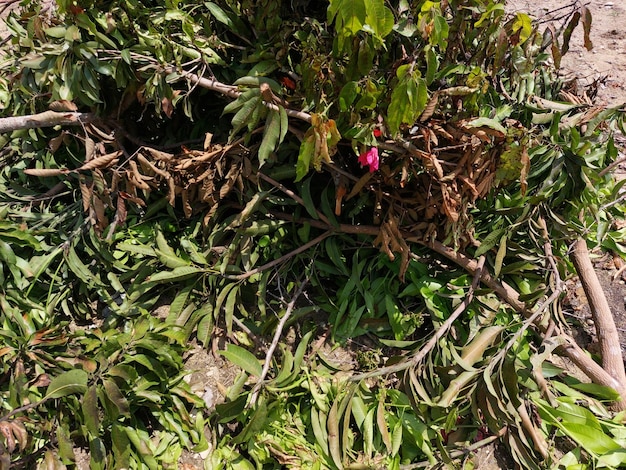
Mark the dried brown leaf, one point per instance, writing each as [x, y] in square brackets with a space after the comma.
[131, 198]
[55, 143]
[187, 209]
[101, 219]
[502, 46]
[430, 107]
[208, 137]
[167, 106]
[46, 172]
[101, 162]
[525, 161]
[136, 177]
[159, 155]
[121, 212]
[554, 45]
[567, 34]
[171, 191]
[86, 191]
[586, 19]
[90, 148]
[449, 203]
[62, 105]
[148, 165]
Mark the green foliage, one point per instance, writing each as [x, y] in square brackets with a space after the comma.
[266, 107]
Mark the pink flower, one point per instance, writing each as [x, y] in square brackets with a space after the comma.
[370, 158]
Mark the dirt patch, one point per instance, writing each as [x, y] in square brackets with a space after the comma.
[605, 64]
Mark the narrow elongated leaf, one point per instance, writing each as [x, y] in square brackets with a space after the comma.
[305, 157]
[90, 411]
[177, 274]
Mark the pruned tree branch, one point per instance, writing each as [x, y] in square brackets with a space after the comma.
[608, 338]
[570, 348]
[45, 119]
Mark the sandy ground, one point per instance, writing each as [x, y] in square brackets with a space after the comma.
[606, 62]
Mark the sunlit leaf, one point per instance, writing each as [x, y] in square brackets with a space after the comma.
[68, 383]
[242, 358]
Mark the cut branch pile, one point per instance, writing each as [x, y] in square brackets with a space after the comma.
[456, 161]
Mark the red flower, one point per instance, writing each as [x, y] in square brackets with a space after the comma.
[377, 133]
[370, 158]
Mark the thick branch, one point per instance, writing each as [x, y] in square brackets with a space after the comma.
[608, 338]
[585, 363]
[45, 119]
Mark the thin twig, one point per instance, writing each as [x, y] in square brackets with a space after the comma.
[460, 452]
[277, 334]
[271, 264]
[15, 411]
[436, 337]
[610, 167]
[291, 194]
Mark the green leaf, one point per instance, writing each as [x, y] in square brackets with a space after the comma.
[256, 82]
[68, 383]
[79, 269]
[246, 96]
[243, 358]
[590, 438]
[487, 122]
[90, 411]
[166, 253]
[97, 452]
[348, 94]
[117, 398]
[229, 307]
[349, 15]
[136, 249]
[305, 157]
[309, 205]
[489, 242]
[177, 274]
[271, 136]
[379, 17]
[179, 302]
[246, 114]
[523, 25]
[121, 446]
[408, 99]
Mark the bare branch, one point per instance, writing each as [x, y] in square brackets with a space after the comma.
[45, 119]
[608, 337]
[277, 334]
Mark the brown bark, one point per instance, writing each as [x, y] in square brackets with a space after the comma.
[608, 338]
